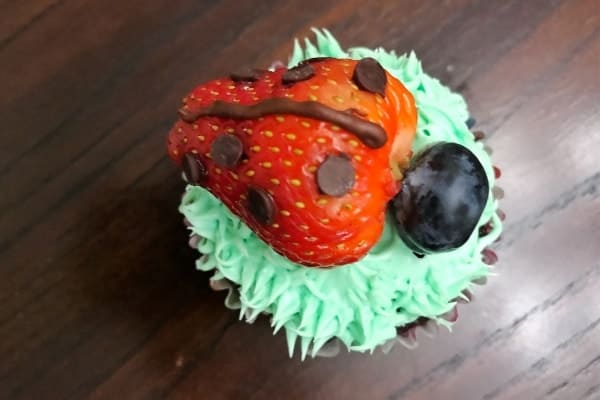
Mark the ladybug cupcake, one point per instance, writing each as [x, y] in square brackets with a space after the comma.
[345, 196]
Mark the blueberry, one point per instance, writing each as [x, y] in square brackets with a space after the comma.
[443, 195]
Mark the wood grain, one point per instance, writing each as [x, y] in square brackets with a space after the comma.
[99, 298]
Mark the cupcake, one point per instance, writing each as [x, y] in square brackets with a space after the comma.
[343, 196]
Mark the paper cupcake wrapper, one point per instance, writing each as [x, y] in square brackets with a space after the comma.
[406, 337]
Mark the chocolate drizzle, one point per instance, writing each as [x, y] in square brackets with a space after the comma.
[371, 134]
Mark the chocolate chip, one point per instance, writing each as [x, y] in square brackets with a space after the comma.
[299, 73]
[245, 75]
[335, 176]
[226, 150]
[369, 75]
[261, 205]
[315, 59]
[193, 168]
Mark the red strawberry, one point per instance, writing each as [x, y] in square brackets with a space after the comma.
[307, 157]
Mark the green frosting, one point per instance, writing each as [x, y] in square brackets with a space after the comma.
[361, 303]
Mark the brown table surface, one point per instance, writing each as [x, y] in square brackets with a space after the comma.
[99, 297]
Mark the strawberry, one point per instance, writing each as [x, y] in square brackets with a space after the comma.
[307, 157]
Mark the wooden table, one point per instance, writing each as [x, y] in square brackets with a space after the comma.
[99, 297]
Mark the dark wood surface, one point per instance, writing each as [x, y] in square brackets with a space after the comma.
[99, 297]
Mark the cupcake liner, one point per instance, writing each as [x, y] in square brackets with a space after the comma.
[407, 335]
[232, 299]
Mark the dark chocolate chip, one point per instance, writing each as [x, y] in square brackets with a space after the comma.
[335, 176]
[479, 135]
[193, 168]
[470, 122]
[299, 73]
[261, 205]
[226, 150]
[369, 75]
[245, 75]
[315, 59]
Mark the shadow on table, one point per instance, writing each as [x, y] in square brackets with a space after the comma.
[132, 272]
[153, 317]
